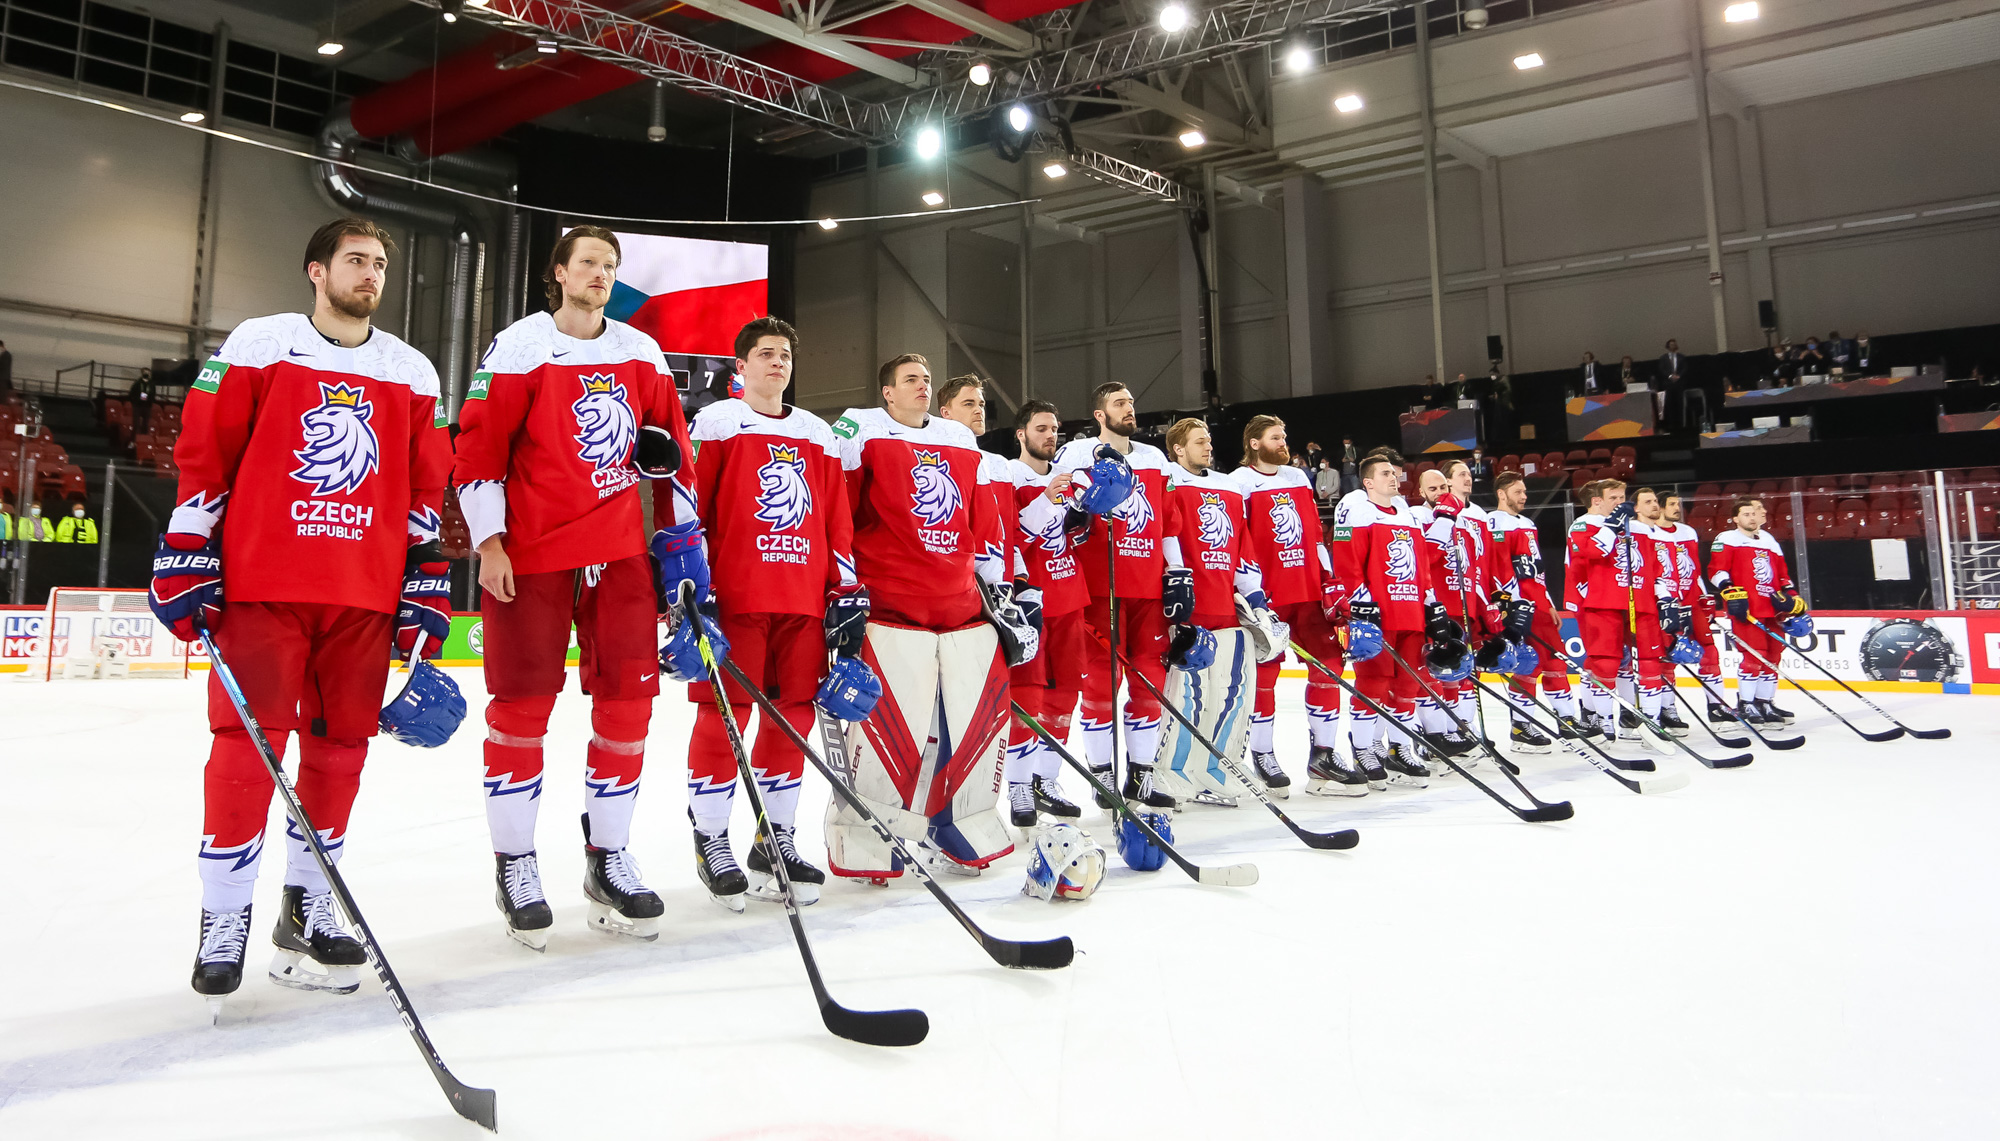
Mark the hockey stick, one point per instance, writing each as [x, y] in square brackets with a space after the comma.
[1730, 742]
[1731, 762]
[1920, 734]
[871, 1027]
[1039, 954]
[1583, 747]
[1888, 734]
[475, 1105]
[1541, 813]
[1235, 875]
[1324, 841]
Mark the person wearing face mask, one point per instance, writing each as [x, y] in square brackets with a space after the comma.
[77, 526]
[34, 526]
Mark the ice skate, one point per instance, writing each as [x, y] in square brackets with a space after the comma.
[1049, 800]
[719, 872]
[806, 879]
[1583, 727]
[313, 952]
[1453, 743]
[1139, 788]
[1274, 778]
[1670, 720]
[1628, 721]
[1778, 716]
[1525, 738]
[218, 964]
[1370, 760]
[1405, 769]
[1719, 714]
[1752, 713]
[517, 892]
[1108, 777]
[1020, 804]
[619, 903]
[1330, 774]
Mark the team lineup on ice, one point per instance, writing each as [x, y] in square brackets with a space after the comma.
[1019, 683]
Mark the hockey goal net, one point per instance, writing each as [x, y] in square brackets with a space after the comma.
[90, 633]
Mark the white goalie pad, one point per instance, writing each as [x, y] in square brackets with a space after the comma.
[1219, 700]
[927, 760]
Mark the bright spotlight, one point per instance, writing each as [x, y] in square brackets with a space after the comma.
[1532, 59]
[827, 223]
[930, 141]
[1347, 104]
[980, 74]
[1019, 119]
[1055, 170]
[192, 116]
[1173, 18]
[1298, 60]
[933, 198]
[331, 47]
[1192, 138]
[1737, 13]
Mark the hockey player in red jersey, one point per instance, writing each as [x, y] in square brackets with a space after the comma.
[1612, 572]
[1289, 547]
[1455, 576]
[781, 548]
[1755, 587]
[1530, 616]
[312, 467]
[1692, 588]
[1048, 685]
[1676, 555]
[568, 412]
[1150, 594]
[928, 546]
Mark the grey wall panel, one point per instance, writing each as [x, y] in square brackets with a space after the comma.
[1254, 361]
[1611, 314]
[1062, 377]
[1061, 297]
[1379, 346]
[1616, 193]
[1150, 366]
[267, 206]
[1252, 255]
[1142, 272]
[1892, 284]
[833, 369]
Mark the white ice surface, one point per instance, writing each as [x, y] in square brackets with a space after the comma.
[1805, 948]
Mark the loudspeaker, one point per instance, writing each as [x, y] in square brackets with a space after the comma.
[1767, 315]
[1494, 351]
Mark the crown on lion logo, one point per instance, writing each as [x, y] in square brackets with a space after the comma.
[599, 382]
[930, 459]
[340, 395]
[781, 454]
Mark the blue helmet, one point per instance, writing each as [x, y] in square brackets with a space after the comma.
[1136, 849]
[1685, 652]
[1450, 662]
[428, 711]
[850, 690]
[1799, 626]
[1191, 648]
[1364, 640]
[1520, 660]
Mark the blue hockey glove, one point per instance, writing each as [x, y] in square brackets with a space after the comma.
[1191, 648]
[850, 690]
[1439, 627]
[1177, 594]
[1620, 516]
[1676, 618]
[1520, 619]
[678, 555]
[187, 584]
[425, 608]
[428, 711]
[1736, 600]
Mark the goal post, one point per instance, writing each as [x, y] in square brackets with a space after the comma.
[90, 632]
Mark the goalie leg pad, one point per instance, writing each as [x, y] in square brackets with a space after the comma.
[888, 753]
[1220, 700]
[963, 797]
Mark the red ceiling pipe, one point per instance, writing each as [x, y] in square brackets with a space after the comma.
[424, 95]
[571, 81]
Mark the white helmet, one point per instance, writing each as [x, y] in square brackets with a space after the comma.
[1065, 864]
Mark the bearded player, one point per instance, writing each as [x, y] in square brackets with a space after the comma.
[928, 546]
[568, 412]
[1048, 685]
[1613, 572]
[1673, 533]
[321, 441]
[1531, 616]
[1675, 551]
[1754, 586]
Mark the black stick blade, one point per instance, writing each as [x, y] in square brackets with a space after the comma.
[1884, 735]
[876, 1027]
[1331, 841]
[1930, 734]
[1633, 764]
[1547, 813]
[1785, 745]
[1735, 762]
[475, 1105]
[1733, 742]
[1034, 955]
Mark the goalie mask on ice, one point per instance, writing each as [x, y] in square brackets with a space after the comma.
[1065, 864]
[1219, 699]
[927, 759]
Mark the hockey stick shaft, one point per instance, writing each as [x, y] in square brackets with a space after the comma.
[1236, 875]
[1111, 610]
[473, 1104]
[1345, 838]
[1885, 735]
[1717, 698]
[1926, 734]
[1657, 729]
[1584, 749]
[1506, 767]
[1006, 952]
[876, 1027]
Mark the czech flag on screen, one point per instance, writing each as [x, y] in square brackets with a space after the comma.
[689, 294]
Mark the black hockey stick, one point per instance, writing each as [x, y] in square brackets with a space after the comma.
[475, 1105]
[1888, 734]
[1039, 954]
[1541, 813]
[1730, 742]
[1920, 734]
[1324, 841]
[1587, 749]
[1235, 875]
[1736, 761]
[871, 1027]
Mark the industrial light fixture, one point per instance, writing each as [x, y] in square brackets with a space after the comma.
[1192, 138]
[1347, 104]
[1019, 118]
[1475, 14]
[450, 17]
[546, 45]
[1173, 17]
[331, 47]
[1054, 169]
[1737, 13]
[980, 74]
[933, 198]
[449, 10]
[1532, 59]
[1298, 59]
[930, 141]
[192, 116]
[827, 223]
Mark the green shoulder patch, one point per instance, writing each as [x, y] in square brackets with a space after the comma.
[210, 377]
[1579, 525]
[845, 427]
[1717, 545]
[480, 382]
[438, 417]
[1342, 534]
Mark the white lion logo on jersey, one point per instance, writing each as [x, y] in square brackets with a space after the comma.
[1760, 568]
[936, 498]
[340, 448]
[1050, 537]
[606, 425]
[784, 498]
[1687, 571]
[1402, 558]
[1137, 511]
[1285, 525]
[1213, 518]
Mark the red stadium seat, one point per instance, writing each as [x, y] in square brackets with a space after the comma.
[1910, 525]
[1625, 450]
[1510, 463]
[1576, 457]
[1764, 487]
[1581, 476]
[1622, 467]
[1600, 456]
[1553, 462]
[1708, 489]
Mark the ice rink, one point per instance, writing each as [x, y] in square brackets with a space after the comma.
[1804, 948]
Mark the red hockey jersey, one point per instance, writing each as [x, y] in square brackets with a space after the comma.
[1519, 548]
[1452, 556]
[774, 508]
[1382, 549]
[1138, 521]
[1754, 562]
[1286, 540]
[1207, 532]
[327, 461]
[1045, 546]
[545, 444]
[1677, 551]
[924, 519]
[1608, 571]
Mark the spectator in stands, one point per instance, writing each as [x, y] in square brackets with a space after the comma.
[1670, 379]
[77, 526]
[141, 396]
[1482, 468]
[6, 516]
[1840, 351]
[1784, 364]
[1432, 396]
[1456, 391]
[1350, 461]
[6, 370]
[1863, 354]
[1812, 358]
[1594, 379]
[1326, 483]
[33, 526]
[1314, 454]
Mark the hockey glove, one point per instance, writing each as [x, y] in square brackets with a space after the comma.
[1520, 619]
[656, 454]
[1448, 506]
[1675, 618]
[1736, 600]
[1332, 598]
[1620, 517]
[425, 608]
[1111, 483]
[1019, 641]
[1439, 627]
[1785, 601]
[680, 657]
[1177, 594]
[678, 555]
[850, 690]
[1076, 523]
[846, 620]
[1364, 612]
[1191, 648]
[1029, 599]
[187, 584]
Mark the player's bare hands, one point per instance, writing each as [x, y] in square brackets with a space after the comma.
[1058, 488]
[496, 570]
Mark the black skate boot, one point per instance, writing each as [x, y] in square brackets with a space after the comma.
[806, 879]
[619, 903]
[218, 965]
[1050, 801]
[1524, 737]
[1139, 788]
[1330, 774]
[1752, 713]
[1108, 777]
[717, 866]
[1584, 726]
[1020, 806]
[1628, 721]
[313, 952]
[1274, 778]
[1405, 769]
[1776, 715]
[517, 892]
[1452, 743]
[1719, 714]
[1370, 760]
[1670, 720]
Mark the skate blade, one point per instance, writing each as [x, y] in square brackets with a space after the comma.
[1213, 799]
[1319, 786]
[533, 938]
[1404, 780]
[605, 918]
[1279, 791]
[215, 1009]
[1530, 750]
[764, 886]
[302, 972]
